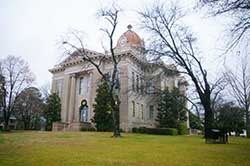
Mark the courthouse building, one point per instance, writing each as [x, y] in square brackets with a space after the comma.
[75, 81]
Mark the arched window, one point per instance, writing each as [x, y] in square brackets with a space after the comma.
[84, 111]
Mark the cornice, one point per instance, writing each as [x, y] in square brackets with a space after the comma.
[72, 61]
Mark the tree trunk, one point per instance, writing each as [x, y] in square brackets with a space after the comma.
[6, 120]
[116, 117]
[116, 122]
[6, 124]
[247, 124]
[208, 122]
[208, 125]
[26, 125]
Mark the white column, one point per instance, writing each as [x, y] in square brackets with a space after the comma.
[53, 86]
[89, 95]
[65, 98]
[188, 123]
[72, 98]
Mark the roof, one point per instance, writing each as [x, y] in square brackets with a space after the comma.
[130, 38]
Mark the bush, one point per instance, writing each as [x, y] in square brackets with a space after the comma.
[142, 130]
[182, 129]
[135, 130]
[88, 129]
[162, 131]
[158, 131]
[139, 129]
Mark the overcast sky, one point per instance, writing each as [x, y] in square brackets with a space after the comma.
[32, 29]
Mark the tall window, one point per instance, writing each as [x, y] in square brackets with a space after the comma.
[133, 108]
[151, 112]
[142, 114]
[176, 83]
[59, 88]
[150, 88]
[80, 90]
[133, 81]
[88, 84]
[138, 110]
[142, 86]
[137, 83]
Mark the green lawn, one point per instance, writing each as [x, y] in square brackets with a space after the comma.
[92, 148]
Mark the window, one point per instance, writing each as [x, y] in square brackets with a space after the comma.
[151, 112]
[12, 121]
[133, 81]
[142, 86]
[137, 83]
[59, 88]
[138, 110]
[80, 90]
[108, 75]
[88, 84]
[142, 116]
[150, 88]
[133, 108]
[176, 83]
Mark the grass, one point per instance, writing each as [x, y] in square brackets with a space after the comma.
[92, 148]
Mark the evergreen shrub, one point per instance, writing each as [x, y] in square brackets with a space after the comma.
[158, 131]
[88, 129]
[182, 129]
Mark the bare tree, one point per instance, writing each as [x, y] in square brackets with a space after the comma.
[217, 89]
[239, 82]
[172, 40]
[77, 46]
[17, 76]
[239, 11]
[2, 92]
[28, 107]
[45, 90]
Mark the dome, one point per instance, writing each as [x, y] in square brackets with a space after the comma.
[130, 38]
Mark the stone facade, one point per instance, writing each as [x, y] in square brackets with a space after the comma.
[75, 80]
